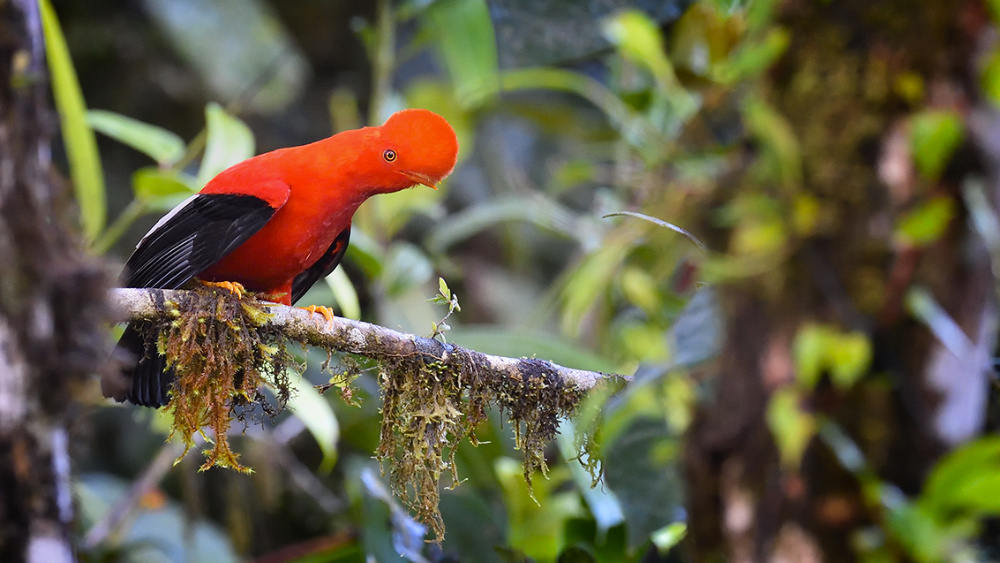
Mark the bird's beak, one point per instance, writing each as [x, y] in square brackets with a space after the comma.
[422, 179]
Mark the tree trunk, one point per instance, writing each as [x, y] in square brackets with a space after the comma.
[52, 308]
[841, 86]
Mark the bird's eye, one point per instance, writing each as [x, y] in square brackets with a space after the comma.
[389, 155]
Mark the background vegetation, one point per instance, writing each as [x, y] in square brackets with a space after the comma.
[771, 370]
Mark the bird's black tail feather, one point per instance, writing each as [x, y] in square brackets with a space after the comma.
[143, 379]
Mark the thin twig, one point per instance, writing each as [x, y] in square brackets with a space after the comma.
[116, 516]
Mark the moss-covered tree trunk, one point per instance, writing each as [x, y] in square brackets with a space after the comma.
[51, 306]
[874, 228]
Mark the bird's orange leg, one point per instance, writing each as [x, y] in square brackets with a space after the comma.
[325, 311]
[235, 288]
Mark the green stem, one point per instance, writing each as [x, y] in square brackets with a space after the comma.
[135, 209]
[383, 60]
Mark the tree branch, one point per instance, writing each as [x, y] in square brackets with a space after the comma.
[361, 338]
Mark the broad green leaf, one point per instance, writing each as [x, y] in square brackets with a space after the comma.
[152, 183]
[994, 6]
[641, 467]
[536, 527]
[344, 293]
[792, 427]
[229, 141]
[78, 137]
[966, 464]
[463, 31]
[980, 493]
[934, 136]
[163, 146]
[317, 415]
[927, 222]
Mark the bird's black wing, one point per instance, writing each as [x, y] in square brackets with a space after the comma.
[189, 239]
[323, 267]
[192, 237]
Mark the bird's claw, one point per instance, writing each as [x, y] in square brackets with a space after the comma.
[325, 311]
[235, 288]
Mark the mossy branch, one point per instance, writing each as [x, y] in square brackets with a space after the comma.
[434, 394]
[364, 339]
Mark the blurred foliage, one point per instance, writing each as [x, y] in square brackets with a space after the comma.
[629, 119]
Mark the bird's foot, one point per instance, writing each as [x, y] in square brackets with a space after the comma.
[235, 288]
[325, 311]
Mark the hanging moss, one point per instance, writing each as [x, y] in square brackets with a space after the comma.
[222, 359]
[430, 407]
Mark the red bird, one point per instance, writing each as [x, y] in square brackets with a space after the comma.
[275, 223]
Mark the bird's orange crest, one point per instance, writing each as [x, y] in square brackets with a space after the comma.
[419, 146]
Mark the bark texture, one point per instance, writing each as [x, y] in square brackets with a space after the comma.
[51, 306]
[838, 87]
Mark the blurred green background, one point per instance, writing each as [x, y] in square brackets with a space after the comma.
[566, 111]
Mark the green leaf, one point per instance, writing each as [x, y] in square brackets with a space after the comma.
[820, 349]
[934, 136]
[444, 289]
[641, 467]
[792, 427]
[808, 351]
[990, 79]
[602, 502]
[783, 158]
[753, 58]
[317, 415]
[536, 527]
[229, 141]
[961, 466]
[638, 38]
[927, 222]
[151, 183]
[669, 536]
[849, 356]
[344, 293]
[463, 31]
[78, 137]
[163, 146]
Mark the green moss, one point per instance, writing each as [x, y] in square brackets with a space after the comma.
[430, 407]
[221, 360]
